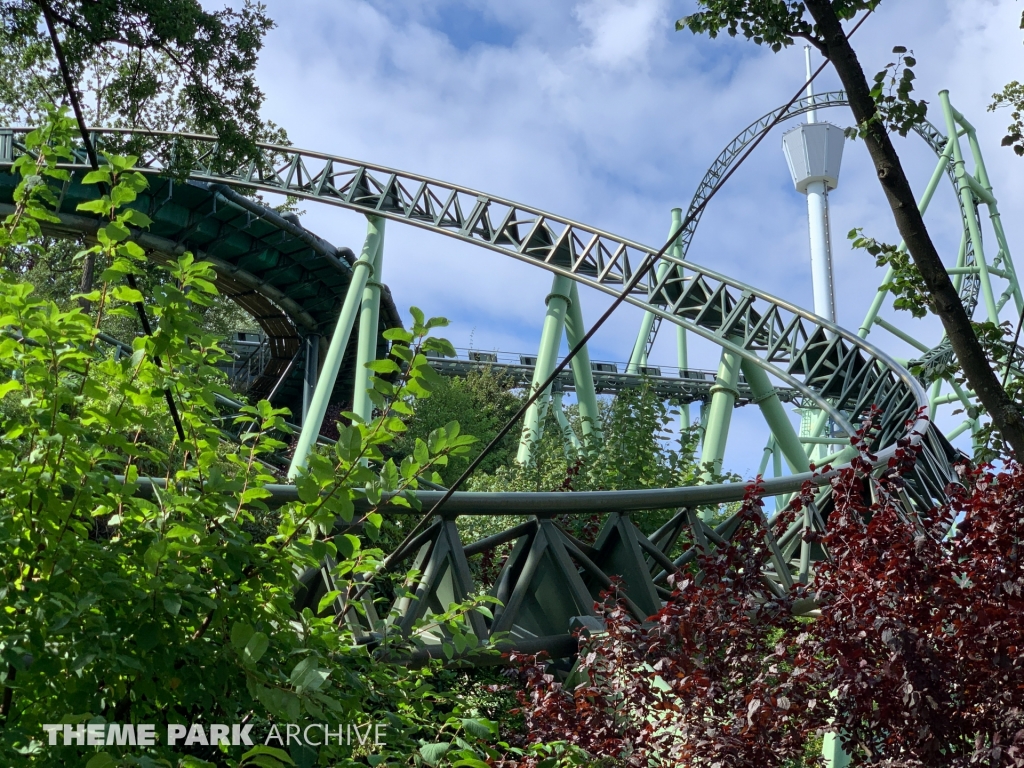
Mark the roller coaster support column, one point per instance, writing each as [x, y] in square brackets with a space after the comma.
[547, 358]
[767, 399]
[336, 350]
[681, 354]
[582, 374]
[723, 400]
[969, 188]
[993, 211]
[310, 371]
[926, 198]
[366, 351]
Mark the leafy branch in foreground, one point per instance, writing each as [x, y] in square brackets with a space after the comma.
[177, 604]
[1012, 96]
[906, 284]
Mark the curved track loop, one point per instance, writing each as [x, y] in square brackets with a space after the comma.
[936, 140]
[550, 577]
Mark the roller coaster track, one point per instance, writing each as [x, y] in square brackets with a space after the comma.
[931, 135]
[550, 578]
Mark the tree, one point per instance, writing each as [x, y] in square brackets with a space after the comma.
[1012, 96]
[481, 403]
[709, 680]
[160, 64]
[914, 660]
[921, 620]
[144, 577]
[776, 23]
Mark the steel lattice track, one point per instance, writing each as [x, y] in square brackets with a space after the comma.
[550, 577]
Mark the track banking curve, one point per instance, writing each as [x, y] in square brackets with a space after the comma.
[549, 579]
[829, 365]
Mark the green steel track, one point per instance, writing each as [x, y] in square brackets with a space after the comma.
[294, 283]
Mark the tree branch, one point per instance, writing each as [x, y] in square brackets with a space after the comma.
[1006, 416]
[69, 84]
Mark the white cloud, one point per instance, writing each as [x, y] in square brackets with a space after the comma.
[621, 32]
[599, 111]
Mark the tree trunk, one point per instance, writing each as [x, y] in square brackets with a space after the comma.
[1005, 414]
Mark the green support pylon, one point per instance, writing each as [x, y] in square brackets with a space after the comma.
[361, 271]
[366, 350]
[967, 194]
[682, 356]
[547, 357]
[833, 752]
[767, 399]
[1003, 256]
[723, 400]
[583, 374]
[638, 356]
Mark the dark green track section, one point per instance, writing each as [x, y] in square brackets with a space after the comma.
[289, 280]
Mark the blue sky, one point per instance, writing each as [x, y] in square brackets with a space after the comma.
[598, 110]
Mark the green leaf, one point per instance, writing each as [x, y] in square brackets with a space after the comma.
[432, 753]
[327, 599]
[172, 604]
[260, 749]
[102, 176]
[383, 366]
[94, 206]
[138, 218]
[126, 294]
[348, 545]
[256, 647]
[100, 760]
[241, 633]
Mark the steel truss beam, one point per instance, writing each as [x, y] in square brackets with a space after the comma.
[550, 578]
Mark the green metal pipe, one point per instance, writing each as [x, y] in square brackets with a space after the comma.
[638, 356]
[582, 373]
[769, 450]
[783, 500]
[902, 334]
[933, 397]
[816, 428]
[825, 440]
[833, 752]
[926, 198]
[682, 356]
[366, 350]
[723, 400]
[547, 358]
[993, 211]
[336, 349]
[967, 198]
[767, 399]
[964, 426]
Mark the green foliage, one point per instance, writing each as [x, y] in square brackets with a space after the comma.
[891, 90]
[638, 450]
[1012, 96]
[907, 284]
[481, 403]
[146, 580]
[775, 23]
[153, 63]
